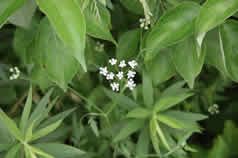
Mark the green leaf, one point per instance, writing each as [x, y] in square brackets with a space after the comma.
[55, 118]
[68, 21]
[7, 8]
[143, 144]
[133, 6]
[222, 9]
[23, 16]
[181, 120]
[153, 135]
[45, 131]
[60, 150]
[140, 113]
[225, 145]
[11, 125]
[148, 91]
[39, 152]
[40, 108]
[175, 25]
[161, 135]
[228, 34]
[186, 60]
[130, 127]
[161, 67]
[98, 24]
[122, 100]
[167, 102]
[214, 55]
[13, 151]
[54, 57]
[170, 121]
[128, 45]
[26, 111]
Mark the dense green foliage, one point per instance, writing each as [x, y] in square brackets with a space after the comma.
[118, 78]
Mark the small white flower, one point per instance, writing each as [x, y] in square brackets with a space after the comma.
[15, 73]
[115, 86]
[113, 61]
[99, 47]
[103, 71]
[131, 84]
[132, 64]
[144, 23]
[214, 109]
[110, 76]
[131, 74]
[122, 64]
[120, 75]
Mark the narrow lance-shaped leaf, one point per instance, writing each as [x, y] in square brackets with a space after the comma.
[130, 127]
[221, 9]
[7, 8]
[45, 131]
[148, 91]
[69, 23]
[173, 26]
[13, 151]
[153, 136]
[26, 111]
[11, 125]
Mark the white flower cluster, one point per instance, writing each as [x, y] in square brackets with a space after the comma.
[145, 23]
[99, 47]
[214, 109]
[15, 73]
[124, 74]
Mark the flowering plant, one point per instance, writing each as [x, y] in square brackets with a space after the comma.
[118, 78]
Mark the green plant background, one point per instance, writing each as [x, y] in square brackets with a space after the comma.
[61, 107]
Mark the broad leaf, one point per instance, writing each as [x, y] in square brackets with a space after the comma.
[221, 9]
[54, 57]
[173, 26]
[23, 16]
[68, 21]
[186, 60]
[229, 33]
[7, 8]
[133, 6]
[161, 68]
[128, 45]
[98, 23]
